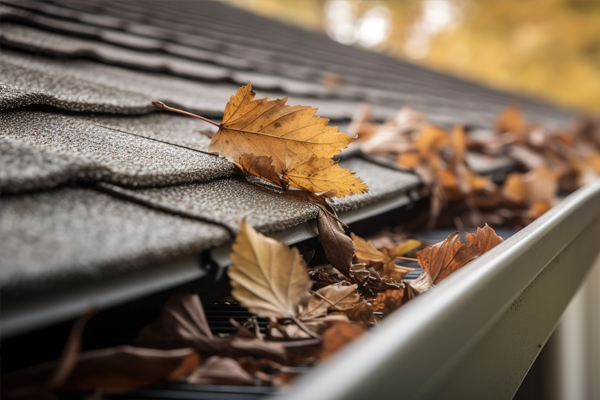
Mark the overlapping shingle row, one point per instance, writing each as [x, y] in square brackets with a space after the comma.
[94, 182]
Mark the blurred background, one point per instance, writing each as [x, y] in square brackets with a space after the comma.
[549, 49]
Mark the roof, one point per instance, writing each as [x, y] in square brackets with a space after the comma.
[96, 183]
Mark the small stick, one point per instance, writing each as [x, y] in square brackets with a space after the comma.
[305, 329]
[325, 300]
[407, 258]
[162, 106]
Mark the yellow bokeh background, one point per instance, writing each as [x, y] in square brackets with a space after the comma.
[549, 49]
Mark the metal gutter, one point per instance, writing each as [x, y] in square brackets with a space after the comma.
[38, 311]
[478, 332]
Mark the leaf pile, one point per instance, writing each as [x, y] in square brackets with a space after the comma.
[548, 162]
[313, 314]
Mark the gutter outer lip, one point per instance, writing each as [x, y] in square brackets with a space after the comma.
[464, 306]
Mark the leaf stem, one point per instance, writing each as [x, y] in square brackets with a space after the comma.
[305, 329]
[407, 258]
[162, 106]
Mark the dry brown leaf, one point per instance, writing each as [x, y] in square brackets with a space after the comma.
[323, 174]
[273, 129]
[510, 120]
[392, 137]
[441, 259]
[338, 296]
[540, 184]
[221, 371]
[267, 277]
[110, 370]
[261, 166]
[380, 261]
[432, 139]
[458, 140]
[182, 323]
[338, 246]
[338, 336]
[388, 301]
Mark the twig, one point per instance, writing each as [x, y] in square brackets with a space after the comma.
[305, 329]
[407, 258]
[162, 106]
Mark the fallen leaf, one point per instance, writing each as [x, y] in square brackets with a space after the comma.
[388, 301]
[111, 370]
[540, 184]
[338, 336]
[361, 313]
[441, 259]
[405, 247]
[272, 128]
[182, 323]
[432, 139]
[380, 261]
[337, 296]
[267, 277]
[392, 137]
[261, 166]
[323, 174]
[510, 120]
[221, 371]
[338, 246]
[267, 138]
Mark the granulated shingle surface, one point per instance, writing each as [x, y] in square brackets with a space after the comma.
[383, 183]
[227, 202]
[164, 126]
[122, 158]
[68, 235]
[24, 168]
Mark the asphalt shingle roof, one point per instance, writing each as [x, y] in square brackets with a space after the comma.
[95, 182]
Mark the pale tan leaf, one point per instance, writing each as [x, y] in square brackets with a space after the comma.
[267, 277]
[221, 371]
[337, 296]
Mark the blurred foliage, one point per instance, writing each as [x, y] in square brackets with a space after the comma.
[546, 48]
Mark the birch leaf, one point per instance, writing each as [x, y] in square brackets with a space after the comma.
[267, 277]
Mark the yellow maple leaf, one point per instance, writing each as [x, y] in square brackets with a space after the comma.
[324, 174]
[273, 129]
[277, 142]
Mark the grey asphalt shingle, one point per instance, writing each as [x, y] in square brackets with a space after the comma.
[65, 236]
[107, 154]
